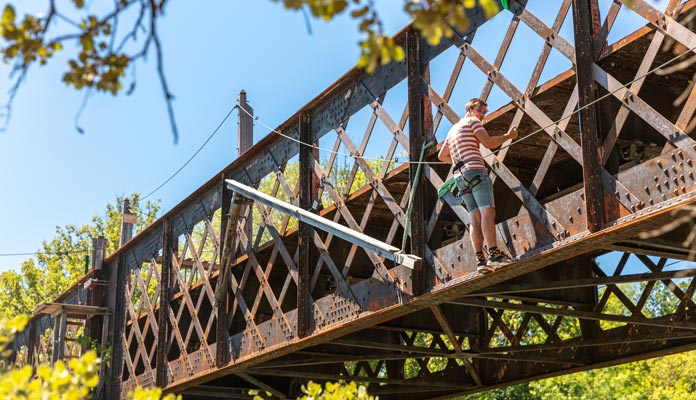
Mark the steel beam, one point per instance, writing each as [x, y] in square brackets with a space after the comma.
[586, 25]
[383, 249]
[307, 256]
[163, 326]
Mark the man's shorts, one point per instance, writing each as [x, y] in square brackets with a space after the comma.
[475, 190]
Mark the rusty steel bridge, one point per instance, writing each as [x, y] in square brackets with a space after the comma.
[224, 294]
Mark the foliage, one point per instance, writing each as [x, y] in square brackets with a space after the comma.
[73, 381]
[61, 261]
[103, 51]
[330, 391]
[435, 19]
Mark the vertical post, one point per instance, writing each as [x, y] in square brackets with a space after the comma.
[245, 139]
[245, 131]
[127, 222]
[32, 344]
[306, 232]
[98, 252]
[419, 127]
[119, 275]
[221, 333]
[96, 294]
[586, 27]
[163, 313]
[228, 237]
[59, 325]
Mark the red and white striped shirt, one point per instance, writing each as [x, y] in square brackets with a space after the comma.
[463, 144]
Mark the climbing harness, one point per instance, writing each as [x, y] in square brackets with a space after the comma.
[470, 184]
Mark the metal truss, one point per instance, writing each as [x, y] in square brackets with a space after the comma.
[219, 297]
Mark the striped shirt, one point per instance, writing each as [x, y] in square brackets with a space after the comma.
[463, 144]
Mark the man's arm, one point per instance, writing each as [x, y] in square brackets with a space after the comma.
[444, 154]
[492, 142]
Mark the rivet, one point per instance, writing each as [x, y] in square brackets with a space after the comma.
[646, 190]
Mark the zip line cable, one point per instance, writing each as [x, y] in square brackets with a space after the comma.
[194, 154]
[36, 253]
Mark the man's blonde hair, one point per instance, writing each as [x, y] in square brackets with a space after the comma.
[475, 102]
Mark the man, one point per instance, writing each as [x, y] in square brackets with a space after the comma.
[461, 148]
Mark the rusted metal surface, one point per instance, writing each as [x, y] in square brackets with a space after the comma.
[345, 312]
[586, 26]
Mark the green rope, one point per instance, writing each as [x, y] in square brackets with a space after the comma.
[505, 4]
[416, 178]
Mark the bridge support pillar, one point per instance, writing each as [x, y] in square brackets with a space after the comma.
[307, 255]
[163, 325]
[586, 27]
[420, 126]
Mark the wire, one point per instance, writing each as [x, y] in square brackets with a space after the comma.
[194, 154]
[44, 253]
[542, 129]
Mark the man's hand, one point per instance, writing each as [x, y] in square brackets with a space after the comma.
[512, 133]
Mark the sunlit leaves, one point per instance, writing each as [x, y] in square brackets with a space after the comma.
[378, 50]
[335, 391]
[8, 15]
[25, 41]
[436, 19]
[151, 394]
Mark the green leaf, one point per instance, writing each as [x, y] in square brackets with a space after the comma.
[360, 12]
[8, 15]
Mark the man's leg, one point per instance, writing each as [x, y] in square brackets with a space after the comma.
[483, 194]
[476, 233]
[488, 226]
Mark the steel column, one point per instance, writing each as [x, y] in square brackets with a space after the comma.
[586, 27]
[163, 326]
[119, 324]
[307, 253]
[419, 128]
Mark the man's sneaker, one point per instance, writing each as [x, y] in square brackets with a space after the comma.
[497, 258]
[481, 266]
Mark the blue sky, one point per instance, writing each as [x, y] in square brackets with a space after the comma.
[51, 175]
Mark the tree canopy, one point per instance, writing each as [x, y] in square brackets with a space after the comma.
[61, 261]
